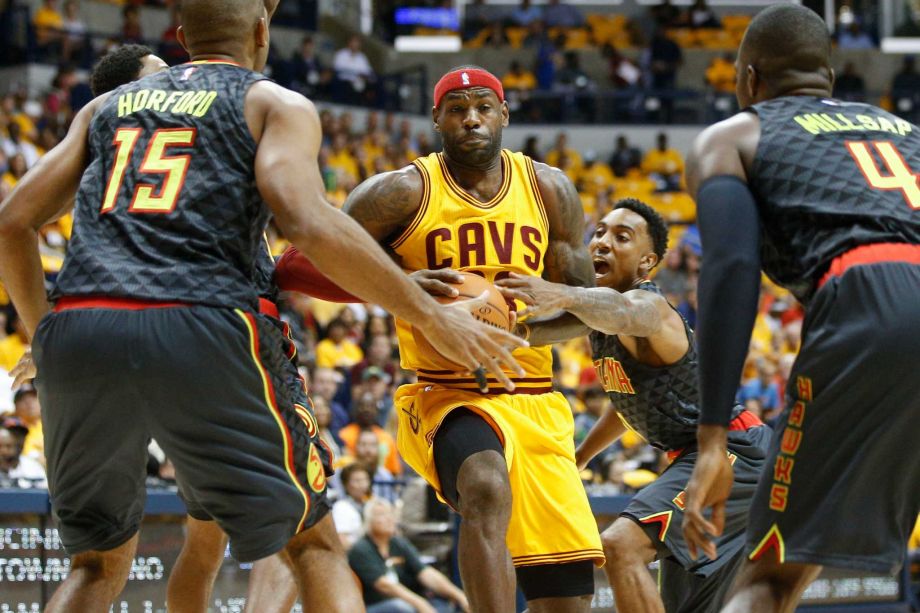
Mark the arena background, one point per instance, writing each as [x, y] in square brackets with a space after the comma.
[578, 76]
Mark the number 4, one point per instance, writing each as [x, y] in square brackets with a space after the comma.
[155, 162]
[901, 177]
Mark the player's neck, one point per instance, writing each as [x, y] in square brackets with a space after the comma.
[475, 177]
[234, 58]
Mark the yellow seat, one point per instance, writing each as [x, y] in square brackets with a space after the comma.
[516, 36]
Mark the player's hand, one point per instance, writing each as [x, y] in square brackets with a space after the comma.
[438, 282]
[708, 488]
[540, 296]
[460, 338]
[463, 603]
[24, 370]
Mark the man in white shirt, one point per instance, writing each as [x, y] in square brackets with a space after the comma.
[352, 66]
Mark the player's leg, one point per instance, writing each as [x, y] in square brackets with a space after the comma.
[94, 580]
[192, 578]
[96, 447]
[321, 569]
[767, 586]
[474, 478]
[629, 551]
[547, 587]
[272, 587]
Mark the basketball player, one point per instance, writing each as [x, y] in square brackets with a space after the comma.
[123, 65]
[162, 258]
[823, 195]
[646, 360]
[504, 461]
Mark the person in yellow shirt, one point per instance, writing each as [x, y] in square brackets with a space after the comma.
[28, 410]
[596, 176]
[12, 347]
[561, 148]
[665, 162]
[49, 24]
[17, 168]
[341, 159]
[337, 350]
[720, 75]
[518, 79]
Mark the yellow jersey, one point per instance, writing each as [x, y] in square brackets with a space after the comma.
[452, 229]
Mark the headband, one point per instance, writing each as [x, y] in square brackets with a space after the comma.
[467, 77]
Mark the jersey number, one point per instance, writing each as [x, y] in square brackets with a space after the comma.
[900, 175]
[155, 161]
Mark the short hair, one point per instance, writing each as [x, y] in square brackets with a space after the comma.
[657, 226]
[371, 505]
[786, 37]
[351, 469]
[117, 68]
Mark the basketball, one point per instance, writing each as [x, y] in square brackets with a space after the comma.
[494, 313]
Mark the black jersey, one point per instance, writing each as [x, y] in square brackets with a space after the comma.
[662, 403]
[168, 209]
[829, 176]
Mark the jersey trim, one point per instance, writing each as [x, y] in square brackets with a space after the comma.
[465, 196]
[535, 188]
[560, 558]
[228, 62]
[423, 206]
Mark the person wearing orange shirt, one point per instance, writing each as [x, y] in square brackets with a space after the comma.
[366, 412]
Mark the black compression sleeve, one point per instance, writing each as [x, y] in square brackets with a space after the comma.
[728, 291]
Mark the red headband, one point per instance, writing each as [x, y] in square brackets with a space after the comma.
[467, 77]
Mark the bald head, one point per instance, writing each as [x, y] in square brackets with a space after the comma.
[222, 27]
[789, 48]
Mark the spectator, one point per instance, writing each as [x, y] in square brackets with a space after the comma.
[74, 30]
[49, 27]
[28, 410]
[15, 143]
[624, 157]
[622, 71]
[366, 413]
[561, 148]
[475, 19]
[532, 148]
[853, 37]
[518, 79]
[348, 510]
[337, 350]
[393, 577]
[131, 25]
[368, 454]
[325, 384]
[308, 75]
[664, 163]
[171, 51]
[12, 346]
[595, 176]
[352, 68]
[379, 354]
[764, 389]
[849, 85]
[526, 14]
[665, 58]
[16, 469]
[907, 81]
[572, 78]
[15, 171]
[665, 14]
[701, 16]
[560, 15]
[323, 415]
[720, 75]
[596, 404]
[671, 277]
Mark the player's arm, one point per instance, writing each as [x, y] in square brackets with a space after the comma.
[44, 193]
[567, 260]
[727, 295]
[434, 580]
[394, 589]
[602, 435]
[287, 129]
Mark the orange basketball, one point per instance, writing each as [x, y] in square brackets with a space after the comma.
[494, 313]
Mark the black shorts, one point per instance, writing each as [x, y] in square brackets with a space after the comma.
[699, 585]
[212, 386]
[842, 485]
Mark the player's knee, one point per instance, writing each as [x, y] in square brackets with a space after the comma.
[320, 537]
[483, 486]
[102, 567]
[625, 544]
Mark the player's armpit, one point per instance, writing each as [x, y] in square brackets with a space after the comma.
[567, 259]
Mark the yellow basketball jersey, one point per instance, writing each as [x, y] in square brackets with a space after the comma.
[452, 229]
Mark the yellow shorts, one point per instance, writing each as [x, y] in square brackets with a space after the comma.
[551, 520]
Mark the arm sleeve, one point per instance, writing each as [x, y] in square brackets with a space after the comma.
[295, 273]
[728, 291]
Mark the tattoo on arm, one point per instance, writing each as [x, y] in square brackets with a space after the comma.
[556, 329]
[385, 204]
[608, 311]
[567, 260]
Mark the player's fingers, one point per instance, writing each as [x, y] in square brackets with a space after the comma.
[438, 288]
[516, 294]
[512, 282]
[501, 353]
[717, 519]
[494, 367]
[446, 275]
[470, 304]
[20, 379]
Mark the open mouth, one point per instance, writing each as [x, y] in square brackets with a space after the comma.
[601, 268]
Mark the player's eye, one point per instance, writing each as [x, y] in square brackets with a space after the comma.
[623, 238]
[484, 108]
[599, 231]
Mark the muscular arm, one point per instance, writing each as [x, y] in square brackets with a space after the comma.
[385, 204]
[44, 193]
[435, 581]
[607, 430]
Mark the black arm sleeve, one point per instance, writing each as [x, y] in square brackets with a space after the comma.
[728, 291]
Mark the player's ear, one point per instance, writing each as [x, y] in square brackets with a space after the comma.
[434, 118]
[261, 33]
[833, 76]
[180, 36]
[505, 114]
[753, 81]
